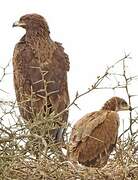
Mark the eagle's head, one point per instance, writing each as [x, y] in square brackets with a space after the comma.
[32, 22]
[116, 104]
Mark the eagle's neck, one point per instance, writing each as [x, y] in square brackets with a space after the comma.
[111, 105]
[41, 44]
[37, 35]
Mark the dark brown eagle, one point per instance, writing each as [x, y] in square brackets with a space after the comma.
[94, 136]
[40, 68]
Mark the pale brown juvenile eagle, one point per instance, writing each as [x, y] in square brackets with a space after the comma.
[94, 136]
[40, 68]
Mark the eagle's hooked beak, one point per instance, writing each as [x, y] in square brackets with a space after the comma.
[127, 108]
[19, 24]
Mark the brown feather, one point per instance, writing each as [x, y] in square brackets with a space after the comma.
[94, 136]
[36, 60]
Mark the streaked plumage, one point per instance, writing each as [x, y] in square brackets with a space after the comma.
[94, 136]
[40, 68]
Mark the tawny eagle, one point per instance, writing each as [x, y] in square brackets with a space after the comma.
[94, 136]
[40, 68]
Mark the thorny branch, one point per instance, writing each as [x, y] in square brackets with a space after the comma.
[128, 94]
[95, 86]
[13, 136]
[4, 73]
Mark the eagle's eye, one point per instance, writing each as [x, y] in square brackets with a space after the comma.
[124, 104]
[24, 19]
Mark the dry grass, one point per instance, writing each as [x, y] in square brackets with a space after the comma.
[123, 165]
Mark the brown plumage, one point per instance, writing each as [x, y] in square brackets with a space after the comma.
[40, 68]
[94, 136]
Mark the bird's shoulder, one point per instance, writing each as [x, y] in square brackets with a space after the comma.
[23, 52]
[60, 56]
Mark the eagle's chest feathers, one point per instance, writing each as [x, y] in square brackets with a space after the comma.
[43, 49]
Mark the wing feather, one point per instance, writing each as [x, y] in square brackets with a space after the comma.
[97, 142]
[30, 74]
